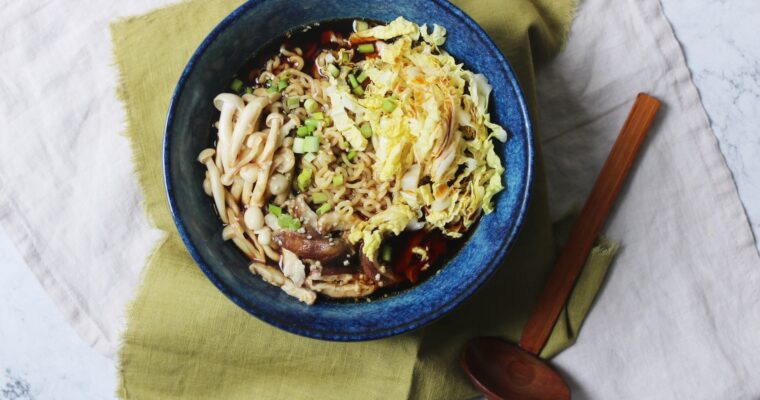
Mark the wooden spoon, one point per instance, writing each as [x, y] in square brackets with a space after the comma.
[501, 370]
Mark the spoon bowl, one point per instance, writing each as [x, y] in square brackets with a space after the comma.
[504, 371]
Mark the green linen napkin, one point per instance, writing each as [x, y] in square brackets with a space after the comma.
[186, 340]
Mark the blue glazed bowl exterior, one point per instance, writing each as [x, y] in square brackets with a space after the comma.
[187, 132]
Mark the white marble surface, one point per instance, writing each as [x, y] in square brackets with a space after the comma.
[42, 358]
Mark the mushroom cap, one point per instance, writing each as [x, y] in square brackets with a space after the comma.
[223, 99]
[206, 155]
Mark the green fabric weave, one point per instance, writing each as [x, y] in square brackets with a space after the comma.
[185, 340]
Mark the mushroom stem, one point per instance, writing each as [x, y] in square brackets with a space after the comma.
[245, 123]
[217, 189]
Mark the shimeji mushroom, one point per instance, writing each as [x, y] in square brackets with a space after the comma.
[240, 240]
[217, 189]
[264, 160]
[245, 124]
[227, 104]
[249, 173]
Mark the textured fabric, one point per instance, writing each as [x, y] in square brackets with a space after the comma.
[678, 315]
[185, 340]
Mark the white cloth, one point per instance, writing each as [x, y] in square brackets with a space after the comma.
[677, 317]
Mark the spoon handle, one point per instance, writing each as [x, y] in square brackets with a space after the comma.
[586, 229]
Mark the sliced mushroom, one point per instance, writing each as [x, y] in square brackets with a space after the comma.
[293, 267]
[269, 273]
[383, 275]
[304, 295]
[355, 288]
[313, 246]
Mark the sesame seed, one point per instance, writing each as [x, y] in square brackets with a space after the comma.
[345, 262]
[377, 277]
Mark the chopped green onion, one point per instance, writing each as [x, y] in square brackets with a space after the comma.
[362, 77]
[309, 157]
[352, 80]
[293, 102]
[366, 130]
[386, 253]
[311, 122]
[358, 91]
[319, 198]
[249, 90]
[333, 70]
[298, 145]
[236, 85]
[310, 105]
[318, 116]
[303, 179]
[344, 145]
[366, 48]
[328, 121]
[282, 84]
[389, 105]
[351, 155]
[272, 89]
[324, 208]
[337, 180]
[276, 210]
[360, 26]
[311, 144]
[286, 221]
[311, 128]
[302, 131]
[346, 58]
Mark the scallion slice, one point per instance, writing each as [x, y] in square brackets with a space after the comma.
[302, 131]
[318, 116]
[298, 145]
[311, 144]
[389, 105]
[319, 197]
[333, 70]
[352, 80]
[366, 48]
[286, 221]
[361, 77]
[276, 210]
[293, 102]
[386, 253]
[366, 130]
[337, 180]
[236, 85]
[351, 155]
[310, 105]
[303, 179]
[324, 208]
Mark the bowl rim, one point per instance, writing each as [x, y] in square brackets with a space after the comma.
[494, 261]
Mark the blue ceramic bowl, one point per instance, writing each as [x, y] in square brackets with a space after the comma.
[191, 115]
